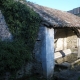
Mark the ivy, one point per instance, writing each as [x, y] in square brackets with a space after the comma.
[23, 23]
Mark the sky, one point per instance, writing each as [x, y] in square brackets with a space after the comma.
[64, 5]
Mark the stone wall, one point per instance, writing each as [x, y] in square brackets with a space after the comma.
[4, 31]
[72, 41]
[37, 53]
[65, 39]
[43, 52]
[60, 42]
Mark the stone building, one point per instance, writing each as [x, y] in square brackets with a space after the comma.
[59, 31]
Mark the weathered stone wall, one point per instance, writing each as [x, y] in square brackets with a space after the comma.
[43, 52]
[37, 52]
[72, 41]
[4, 31]
[65, 39]
[60, 42]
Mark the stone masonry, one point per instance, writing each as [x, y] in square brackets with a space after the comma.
[4, 31]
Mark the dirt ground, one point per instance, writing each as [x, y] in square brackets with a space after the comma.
[68, 73]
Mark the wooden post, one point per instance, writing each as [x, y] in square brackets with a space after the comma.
[47, 52]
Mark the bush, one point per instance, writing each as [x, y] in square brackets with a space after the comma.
[23, 23]
[13, 55]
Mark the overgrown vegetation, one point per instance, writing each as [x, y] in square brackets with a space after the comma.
[23, 23]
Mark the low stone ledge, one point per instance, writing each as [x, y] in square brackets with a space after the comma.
[62, 53]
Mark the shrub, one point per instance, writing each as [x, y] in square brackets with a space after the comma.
[13, 55]
[23, 23]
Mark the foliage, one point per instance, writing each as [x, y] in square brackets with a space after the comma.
[12, 55]
[79, 78]
[32, 77]
[23, 23]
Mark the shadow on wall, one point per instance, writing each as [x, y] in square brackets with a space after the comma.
[62, 53]
[64, 32]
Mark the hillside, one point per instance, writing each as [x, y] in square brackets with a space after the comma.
[75, 11]
[78, 14]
